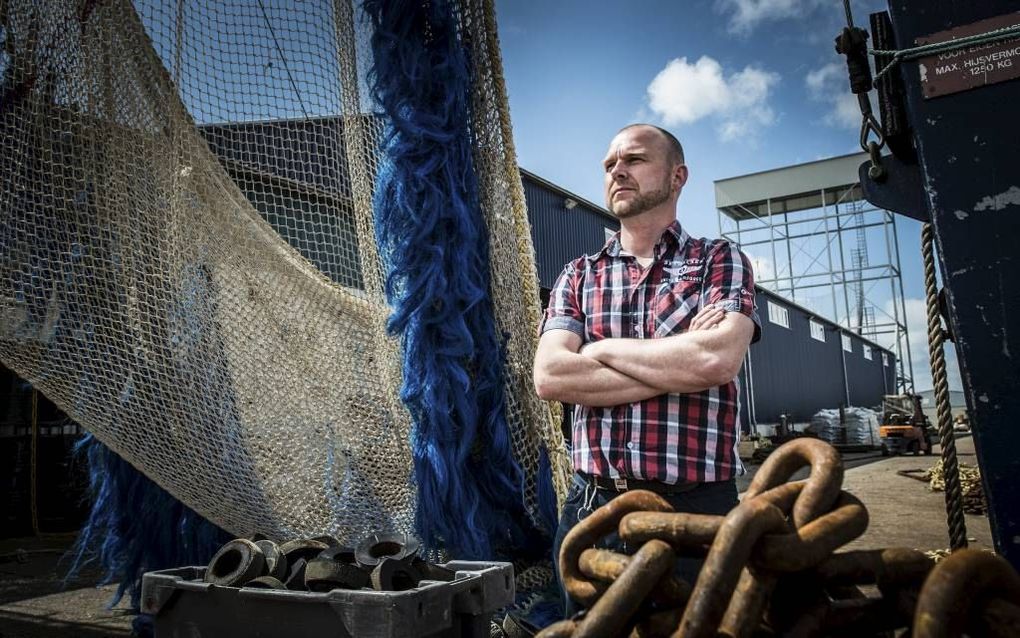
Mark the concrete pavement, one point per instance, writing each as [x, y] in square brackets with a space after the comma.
[903, 511]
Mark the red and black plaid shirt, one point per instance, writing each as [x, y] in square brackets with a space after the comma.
[671, 438]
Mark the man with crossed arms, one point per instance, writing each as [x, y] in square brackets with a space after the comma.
[646, 338]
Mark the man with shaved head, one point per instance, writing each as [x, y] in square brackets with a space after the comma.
[646, 338]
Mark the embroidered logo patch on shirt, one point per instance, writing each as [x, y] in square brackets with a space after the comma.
[684, 270]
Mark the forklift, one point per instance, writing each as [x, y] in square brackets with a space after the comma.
[904, 428]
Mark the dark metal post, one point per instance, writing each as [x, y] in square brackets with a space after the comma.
[967, 143]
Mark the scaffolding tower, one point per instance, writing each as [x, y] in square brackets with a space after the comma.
[812, 237]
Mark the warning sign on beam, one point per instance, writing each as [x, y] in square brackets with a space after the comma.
[980, 65]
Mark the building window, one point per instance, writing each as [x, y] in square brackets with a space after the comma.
[847, 344]
[779, 315]
[817, 330]
[867, 352]
[885, 360]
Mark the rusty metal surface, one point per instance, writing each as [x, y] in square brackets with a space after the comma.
[811, 544]
[606, 565]
[611, 614]
[681, 530]
[741, 528]
[959, 585]
[561, 629]
[823, 485]
[1000, 619]
[771, 569]
[744, 613]
[659, 624]
[588, 532]
[883, 567]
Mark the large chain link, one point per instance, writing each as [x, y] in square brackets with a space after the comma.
[770, 564]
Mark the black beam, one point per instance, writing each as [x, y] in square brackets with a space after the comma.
[967, 145]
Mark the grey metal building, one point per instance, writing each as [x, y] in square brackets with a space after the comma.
[804, 363]
[564, 226]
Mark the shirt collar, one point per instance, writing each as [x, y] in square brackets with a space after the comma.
[673, 232]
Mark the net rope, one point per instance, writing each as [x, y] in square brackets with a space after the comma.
[188, 264]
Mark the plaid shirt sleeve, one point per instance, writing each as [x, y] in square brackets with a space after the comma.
[729, 283]
[564, 310]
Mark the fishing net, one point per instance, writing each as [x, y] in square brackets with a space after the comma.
[188, 256]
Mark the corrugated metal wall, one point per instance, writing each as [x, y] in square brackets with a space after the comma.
[561, 235]
[866, 378]
[790, 372]
[795, 374]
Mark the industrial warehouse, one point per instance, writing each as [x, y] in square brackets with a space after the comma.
[300, 335]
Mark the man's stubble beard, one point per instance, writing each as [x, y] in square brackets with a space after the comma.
[642, 202]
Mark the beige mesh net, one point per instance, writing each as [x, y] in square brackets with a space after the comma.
[187, 263]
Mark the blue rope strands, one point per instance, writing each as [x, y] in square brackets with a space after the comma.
[434, 246]
[136, 526]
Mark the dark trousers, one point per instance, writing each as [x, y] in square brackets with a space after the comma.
[583, 498]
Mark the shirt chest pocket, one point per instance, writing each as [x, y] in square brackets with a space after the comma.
[602, 323]
[675, 305]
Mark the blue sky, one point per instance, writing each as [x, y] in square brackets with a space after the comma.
[746, 85]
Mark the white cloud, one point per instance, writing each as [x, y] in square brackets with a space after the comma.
[684, 93]
[829, 86]
[748, 14]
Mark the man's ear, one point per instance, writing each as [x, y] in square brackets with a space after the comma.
[680, 174]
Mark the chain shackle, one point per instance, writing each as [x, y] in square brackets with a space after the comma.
[783, 496]
[751, 595]
[770, 560]
[588, 532]
[823, 486]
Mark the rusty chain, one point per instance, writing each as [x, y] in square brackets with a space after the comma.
[961, 582]
[770, 564]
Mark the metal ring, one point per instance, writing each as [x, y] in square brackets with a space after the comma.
[235, 563]
[373, 549]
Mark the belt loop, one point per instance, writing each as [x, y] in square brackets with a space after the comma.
[620, 484]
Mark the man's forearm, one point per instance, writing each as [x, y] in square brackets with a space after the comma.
[581, 380]
[680, 363]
